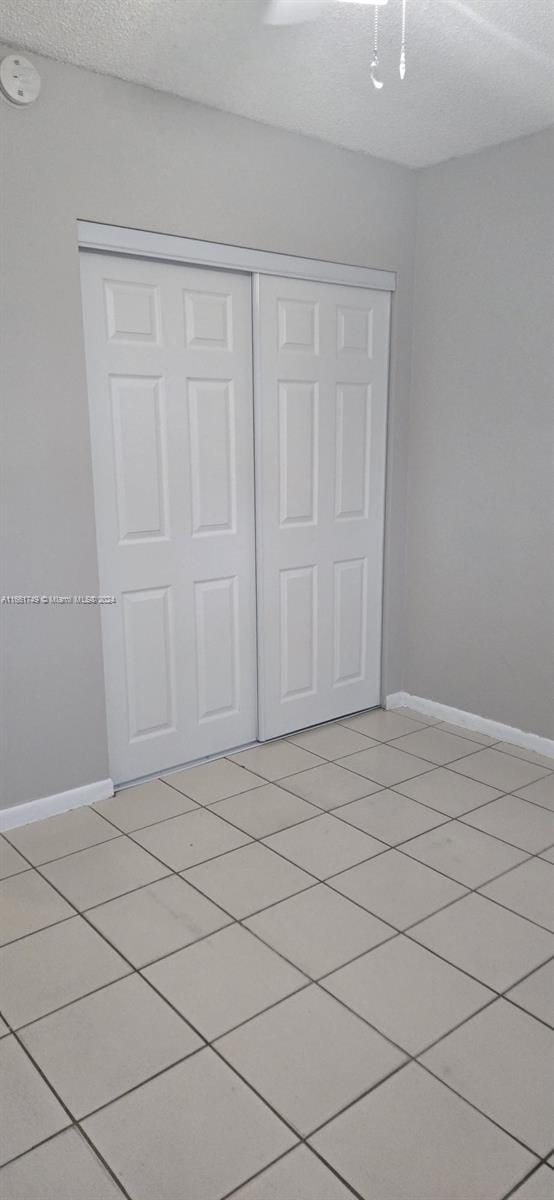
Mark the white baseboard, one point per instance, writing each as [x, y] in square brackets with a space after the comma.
[48, 806]
[457, 716]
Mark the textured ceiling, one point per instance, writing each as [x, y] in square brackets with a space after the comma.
[479, 71]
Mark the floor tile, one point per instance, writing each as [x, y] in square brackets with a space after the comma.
[540, 792]
[248, 879]
[63, 1168]
[385, 765]
[99, 1047]
[436, 745]
[541, 760]
[413, 1139]
[319, 930]
[324, 846]
[29, 1111]
[536, 993]
[136, 807]
[383, 725]
[193, 838]
[102, 872]
[407, 993]
[397, 889]
[157, 920]
[11, 863]
[331, 741]
[329, 786]
[53, 967]
[464, 854]
[346, 1057]
[224, 979]
[390, 817]
[300, 1175]
[212, 781]
[502, 771]
[500, 1061]
[274, 760]
[448, 792]
[264, 810]
[548, 855]
[154, 1138]
[539, 1186]
[494, 945]
[28, 903]
[516, 821]
[461, 731]
[527, 890]
[4, 1029]
[42, 841]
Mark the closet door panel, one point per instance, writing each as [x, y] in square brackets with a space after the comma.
[322, 363]
[170, 395]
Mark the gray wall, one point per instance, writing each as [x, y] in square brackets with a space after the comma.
[469, 503]
[479, 577]
[96, 148]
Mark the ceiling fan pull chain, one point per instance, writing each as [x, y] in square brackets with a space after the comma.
[402, 67]
[377, 83]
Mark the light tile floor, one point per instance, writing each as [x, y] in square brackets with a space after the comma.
[316, 969]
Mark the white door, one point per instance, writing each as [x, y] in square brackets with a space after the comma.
[321, 403]
[170, 392]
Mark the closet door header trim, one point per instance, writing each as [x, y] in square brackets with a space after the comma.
[115, 239]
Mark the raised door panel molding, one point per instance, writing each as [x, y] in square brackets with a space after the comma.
[132, 311]
[298, 631]
[208, 320]
[217, 647]
[298, 453]
[150, 657]
[140, 455]
[298, 325]
[350, 621]
[352, 450]
[213, 471]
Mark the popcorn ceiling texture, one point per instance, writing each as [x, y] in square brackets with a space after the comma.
[479, 71]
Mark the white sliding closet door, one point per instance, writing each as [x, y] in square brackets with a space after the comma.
[320, 433]
[170, 392]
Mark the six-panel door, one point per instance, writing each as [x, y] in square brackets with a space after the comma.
[320, 413]
[170, 393]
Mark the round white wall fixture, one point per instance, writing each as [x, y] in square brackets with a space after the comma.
[19, 79]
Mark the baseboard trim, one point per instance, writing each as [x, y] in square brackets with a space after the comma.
[48, 806]
[457, 716]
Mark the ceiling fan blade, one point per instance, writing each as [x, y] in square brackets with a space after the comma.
[294, 12]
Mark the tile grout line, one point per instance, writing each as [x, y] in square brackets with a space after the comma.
[173, 872]
[240, 921]
[72, 1124]
[386, 846]
[533, 1171]
[249, 916]
[261, 839]
[69, 853]
[299, 1145]
[315, 883]
[279, 783]
[212, 1046]
[407, 1056]
[395, 932]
